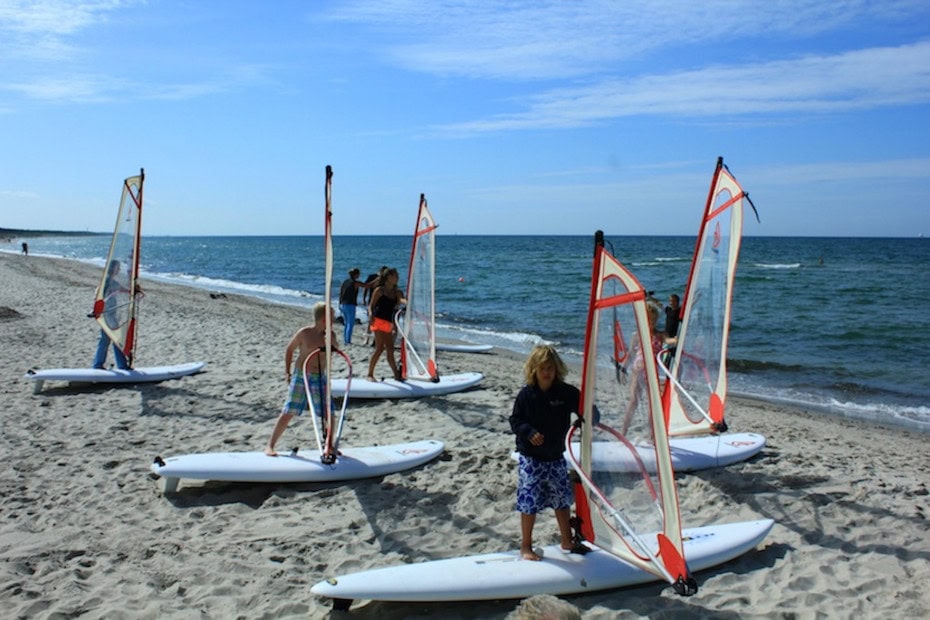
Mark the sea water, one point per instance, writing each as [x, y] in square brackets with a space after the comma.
[838, 325]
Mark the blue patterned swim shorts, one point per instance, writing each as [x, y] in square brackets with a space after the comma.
[543, 484]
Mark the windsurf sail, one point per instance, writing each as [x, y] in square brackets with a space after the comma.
[328, 436]
[695, 394]
[626, 511]
[417, 326]
[116, 298]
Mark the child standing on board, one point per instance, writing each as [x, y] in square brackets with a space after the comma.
[307, 340]
[541, 417]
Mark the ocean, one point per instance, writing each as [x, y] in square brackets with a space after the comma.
[836, 325]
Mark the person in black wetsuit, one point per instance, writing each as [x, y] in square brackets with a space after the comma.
[672, 316]
[348, 302]
[372, 282]
[384, 302]
[541, 417]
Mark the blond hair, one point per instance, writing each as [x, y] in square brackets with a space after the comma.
[319, 310]
[652, 312]
[541, 355]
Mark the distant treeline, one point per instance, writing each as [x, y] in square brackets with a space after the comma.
[9, 233]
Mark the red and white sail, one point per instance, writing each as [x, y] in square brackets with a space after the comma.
[631, 512]
[695, 395]
[418, 326]
[115, 300]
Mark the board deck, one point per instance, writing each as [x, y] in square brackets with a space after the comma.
[463, 348]
[389, 388]
[305, 466]
[506, 575]
[688, 453]
[146, 374]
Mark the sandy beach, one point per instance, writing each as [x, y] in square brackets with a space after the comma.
[85, 529]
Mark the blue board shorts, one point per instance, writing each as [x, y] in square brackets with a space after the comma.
[543, 484]
[296, 402]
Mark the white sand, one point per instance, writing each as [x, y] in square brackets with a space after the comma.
[86, 531]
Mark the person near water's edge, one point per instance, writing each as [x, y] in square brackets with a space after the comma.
[371, 280]
[348, 302]
[384, 302]
[672, 316]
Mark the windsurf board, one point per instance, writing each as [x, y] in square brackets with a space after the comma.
[303, 466]
[149, 374]
[463, 348]
[390, 388]
[506, 575]
[688, 453]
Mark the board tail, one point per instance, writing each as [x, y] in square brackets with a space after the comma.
[116, 297]
[628, 512]
[695, 394]
[417, 325]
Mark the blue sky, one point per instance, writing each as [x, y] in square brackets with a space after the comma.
[514, 117]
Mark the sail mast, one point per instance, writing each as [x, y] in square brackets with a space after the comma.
[328, 452]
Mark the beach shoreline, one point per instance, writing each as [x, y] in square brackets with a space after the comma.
[86, 529]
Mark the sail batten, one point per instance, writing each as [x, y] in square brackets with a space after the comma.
[631, 512]
[116, 299]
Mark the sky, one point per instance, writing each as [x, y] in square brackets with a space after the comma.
[516, 117]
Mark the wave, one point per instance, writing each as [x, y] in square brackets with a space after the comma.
[659, 261]
[777, 265]
[269, 292]
[520, 342]
[746, 366]
[912, 417]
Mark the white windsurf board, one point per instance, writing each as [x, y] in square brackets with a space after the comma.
[147, 374]
[390, 388]
[463, 348]
[506, 575]
[688, 453]
[304, 466]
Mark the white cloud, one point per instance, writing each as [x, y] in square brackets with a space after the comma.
[548, 39]
[39, 30]
[790, 175]
[18, 194]
[857, 80]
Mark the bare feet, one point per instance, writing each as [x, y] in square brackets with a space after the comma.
[372, 379]
[529, 554]
[269, 451]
